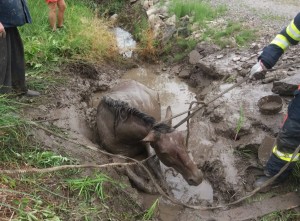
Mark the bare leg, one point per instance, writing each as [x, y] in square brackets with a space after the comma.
[52, 15]
[61, 11]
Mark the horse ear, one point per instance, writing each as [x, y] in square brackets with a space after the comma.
[150, 137]
[169, 115]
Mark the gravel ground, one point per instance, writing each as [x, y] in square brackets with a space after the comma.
[269, 16]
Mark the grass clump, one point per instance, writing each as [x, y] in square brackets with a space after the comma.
[13, 128]
[289, 215]
[239, 123]
[149, 214]
[218, 32]
[85, 36]
[200, 11]
[88, 186]
[233, 34]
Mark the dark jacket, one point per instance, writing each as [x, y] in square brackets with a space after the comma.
[288, 137]
[288, 36]
[14, 13]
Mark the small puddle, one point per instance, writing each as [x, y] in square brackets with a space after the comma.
[186, 193]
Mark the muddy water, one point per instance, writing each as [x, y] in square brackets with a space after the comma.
[178, 95]
[172, 91]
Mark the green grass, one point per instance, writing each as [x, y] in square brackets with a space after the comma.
[239, 123]
[14, 129]
[88, 186]
[233, 34]
[149, 214]
[281, 216]
[82, 36]
[200, 11]
[45, 159]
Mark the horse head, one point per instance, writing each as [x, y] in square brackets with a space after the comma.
[170, 148]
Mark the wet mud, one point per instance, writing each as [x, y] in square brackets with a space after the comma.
[227, 157]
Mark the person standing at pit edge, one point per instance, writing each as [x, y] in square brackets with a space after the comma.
[13, 13]
[288, 138]
[53, 5]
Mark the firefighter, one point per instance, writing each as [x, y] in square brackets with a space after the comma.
[288, 137]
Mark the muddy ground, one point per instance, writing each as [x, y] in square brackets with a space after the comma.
[227, 158]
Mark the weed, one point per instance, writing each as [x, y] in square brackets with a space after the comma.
[200, 11]
[181, 47]
[44, 47]
[271, 17]
[233, 33]
[281, 216]
[45, 159]
[296, 173]
[149, 214]
[86, 186]
[239, 123]
[28, 211]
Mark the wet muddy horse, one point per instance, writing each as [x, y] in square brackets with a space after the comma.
[127, 119]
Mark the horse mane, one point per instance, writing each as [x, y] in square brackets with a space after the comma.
[122, 111]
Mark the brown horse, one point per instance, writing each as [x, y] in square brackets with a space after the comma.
[127, 120]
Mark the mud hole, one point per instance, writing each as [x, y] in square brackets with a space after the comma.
[226, 156]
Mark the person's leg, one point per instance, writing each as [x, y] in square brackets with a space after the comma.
[17, 62]
[52, 14]
[5, 63]
[288, 140]
[61, 11]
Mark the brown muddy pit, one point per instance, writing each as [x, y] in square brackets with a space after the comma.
[178, 95]
[172, 91]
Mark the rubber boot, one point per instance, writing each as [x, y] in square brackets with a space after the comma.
[273, 166]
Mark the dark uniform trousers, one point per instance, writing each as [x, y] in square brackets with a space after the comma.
[12, 62]
[288, 139]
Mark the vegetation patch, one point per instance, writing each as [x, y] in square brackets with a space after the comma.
[228, 35]
[199, 11]
[78, 38]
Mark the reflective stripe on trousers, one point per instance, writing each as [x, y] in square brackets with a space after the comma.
[284, 156]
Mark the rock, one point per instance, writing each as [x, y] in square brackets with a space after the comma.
[183, 31]
[171, 21]
[269, 80]
[168, 32]
[151, 11]
[101, 86]
[146, 5]
[184, 74]
[217, 115]
[43, 108]
[206, 49]
[208, 69]
[194, 57]
[254, 46]
[220, 56]
[286, 86]
[236, 58]
[114, 18]
[244, 72]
